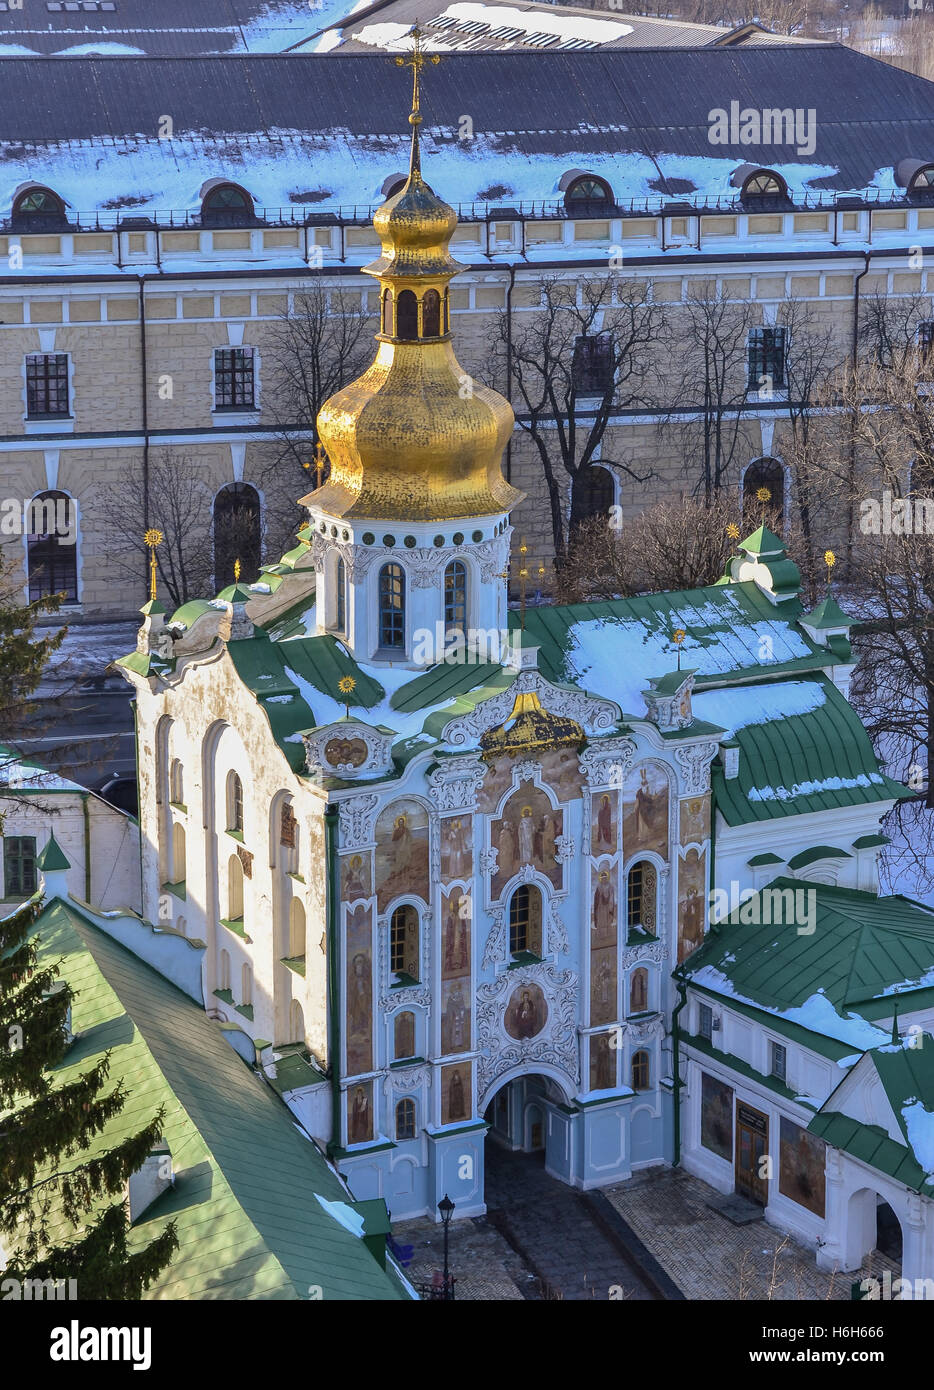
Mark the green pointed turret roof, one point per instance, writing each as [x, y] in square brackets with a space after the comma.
[828, 613]
[236, 593]
[763, 542]
[151, 607]
[53, 856]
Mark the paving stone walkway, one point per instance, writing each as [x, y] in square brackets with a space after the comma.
[710, 1258]
[559, 1239]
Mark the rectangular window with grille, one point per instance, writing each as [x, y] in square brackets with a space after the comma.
[766, 354]
[46, 384]
[926, 338]
[19, 866]
[592, 365]
[777, 1061]
[705, 1022]
[234, 379]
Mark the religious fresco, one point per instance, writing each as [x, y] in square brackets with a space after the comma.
[603, 985]
[645, 811]
[497, 781]
[639, 991]
[604, 829]
[360, 1113]
[801, 1166]
[604, 905]
[716, 1132]
[359, 991]
[526, 835]
[526, 1012]
[356, 877]
[455, 1016]
[692, 888]
[401, 852]
[403, 1035]
[561, 770]
[456, 1099]
[695, 820]
[456, 848]
[602, 1062]
[455, 934]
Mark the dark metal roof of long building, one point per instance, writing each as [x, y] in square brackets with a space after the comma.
[89, 128]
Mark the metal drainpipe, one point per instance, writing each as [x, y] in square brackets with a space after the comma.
[509, 289]
[681, 986]
[87, 846]
[144, 401]
[331, 911]
[867, 256]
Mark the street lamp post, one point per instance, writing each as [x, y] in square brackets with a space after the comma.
[446, 1208]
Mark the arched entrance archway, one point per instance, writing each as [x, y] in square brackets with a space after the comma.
[872, 1225]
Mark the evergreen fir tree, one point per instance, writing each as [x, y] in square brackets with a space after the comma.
[44, 1127]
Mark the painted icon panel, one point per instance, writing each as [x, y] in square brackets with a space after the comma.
[692, 886]
[526, 834]
[456, 848]
[455, 934]
[602, 1062]
[716, 1116]
[455, 1016]
[604, 830]
[526, 1012]
[456, 1099]
[801, 1166]
[360, 1113]
[695, 819]
[401, 852]
[645, 811]
[356, 878]
[359, 990]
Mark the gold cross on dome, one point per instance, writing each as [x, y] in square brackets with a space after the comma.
[416, 60]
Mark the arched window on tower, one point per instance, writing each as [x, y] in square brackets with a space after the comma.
[592, 494]
[340, 607]
[223, 970]
[178, 853]
[237, 534]
[525, 921]
[764, 494]
[641, 891]
[246, 986]
[296, 1022]
[403, 942]
[640, 1077]
[407, 316]
[234, 802]
[403, 1036]
[51, 547]
[177, 783]
[431, 314]
[405, 1119]
[227, 205]
[639, 991]
[447, 312]
[455, 600]
[387, 313]
[391, 607]
[296, 930]
[234, 889]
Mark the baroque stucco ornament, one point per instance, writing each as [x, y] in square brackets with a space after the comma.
[594, 715]
[555, 1045]
[357, 814]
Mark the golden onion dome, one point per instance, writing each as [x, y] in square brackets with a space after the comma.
[415, 438]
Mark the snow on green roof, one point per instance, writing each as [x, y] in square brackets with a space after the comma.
[832, 972]
[245, 1199]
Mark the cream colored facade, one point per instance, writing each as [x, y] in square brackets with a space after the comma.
[107, 299]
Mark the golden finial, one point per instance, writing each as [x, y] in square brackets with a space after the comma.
[763, 494]
[347, 685]
[829, 560]
[236, 571]
[416, 61]
[523, 580]
[151, 539]
[678, 637]
[321, 459]
[732, 531]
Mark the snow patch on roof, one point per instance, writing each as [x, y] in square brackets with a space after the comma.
[539, 22]
[738, 708]
[817, 1013]
[101, 49]
[919, 1126]
[827, 784]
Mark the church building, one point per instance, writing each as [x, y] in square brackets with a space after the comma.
[445, 857]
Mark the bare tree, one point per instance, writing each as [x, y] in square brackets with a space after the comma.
[677, 544]
[710, 385]
[582, 356]
[323, 342]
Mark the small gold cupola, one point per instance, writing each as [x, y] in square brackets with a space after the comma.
[415, 438]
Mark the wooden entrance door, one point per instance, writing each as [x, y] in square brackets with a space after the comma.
[752, 1145]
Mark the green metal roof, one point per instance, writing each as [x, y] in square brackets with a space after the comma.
[763, 542]
[872, 1145]
[53, 856]
[816, 761]
[812, 856]
[246, 1193]
[828, 613]
[861, 948]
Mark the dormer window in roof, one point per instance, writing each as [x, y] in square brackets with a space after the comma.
[916, 176]
[392, 185]
[760, 188]
[38, 209]
[585, 195]
[227, 205]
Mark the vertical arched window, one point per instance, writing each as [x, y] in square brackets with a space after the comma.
[403, 942]
[296, 1022]
[640, 1071]
[177, 783]
[51, 547]
[234, 802]
[592, 494]
[525, 921]
[447, 320]
[234, 889]
[639, 991]
[407, 316]
[641, 890]
[387, 313]
[341, 605]
[237, 534]
[223, 970]
[405, 1119]
[227, 205]
[455, 599]
[391, 606]
[178, 853]
[403, 1036]
[764, 494]
[246, 986]
[431, 314]
[296, 930]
